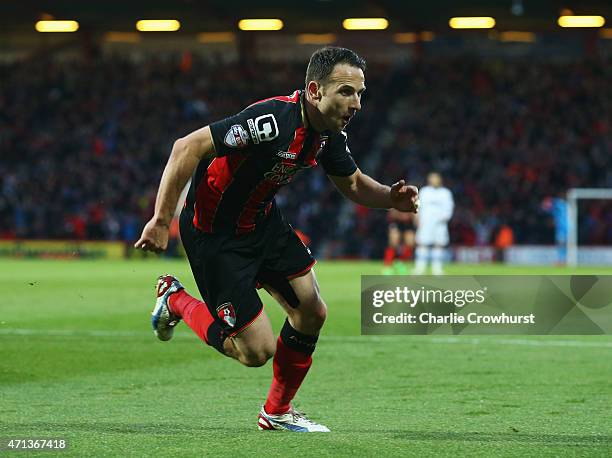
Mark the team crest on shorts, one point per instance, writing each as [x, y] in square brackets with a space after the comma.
[227, 314]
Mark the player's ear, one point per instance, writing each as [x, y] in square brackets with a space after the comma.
[314, 91]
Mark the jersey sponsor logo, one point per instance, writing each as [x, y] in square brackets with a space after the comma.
[253, 131]
[266, 128]
[286, 155]
[226, 313]
[283, 173]
[236, 137]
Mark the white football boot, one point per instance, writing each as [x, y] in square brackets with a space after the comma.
[291, 421]
[162, 319]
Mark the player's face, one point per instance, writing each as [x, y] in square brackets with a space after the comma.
[434, 180]
[341, 96]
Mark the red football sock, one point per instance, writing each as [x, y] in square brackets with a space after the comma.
[406, 253]
[389, 255]
[193, 312]
[290, 368]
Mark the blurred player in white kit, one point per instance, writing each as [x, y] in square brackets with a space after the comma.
[432, 224]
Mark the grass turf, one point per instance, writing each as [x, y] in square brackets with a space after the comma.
[79, 361]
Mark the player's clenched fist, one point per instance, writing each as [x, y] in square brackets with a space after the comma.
[154, 237]
[405, 197]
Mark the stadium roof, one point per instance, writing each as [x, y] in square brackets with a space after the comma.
[298, 16]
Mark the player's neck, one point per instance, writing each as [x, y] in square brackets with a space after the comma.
[311, 116]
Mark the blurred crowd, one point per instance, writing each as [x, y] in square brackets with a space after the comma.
[83, 143]
[507, 136]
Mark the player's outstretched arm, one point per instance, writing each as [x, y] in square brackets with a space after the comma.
[187, 152]
[366, 191]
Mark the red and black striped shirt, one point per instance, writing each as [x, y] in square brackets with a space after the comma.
[257, 151]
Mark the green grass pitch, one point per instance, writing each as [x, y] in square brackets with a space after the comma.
[78, 360]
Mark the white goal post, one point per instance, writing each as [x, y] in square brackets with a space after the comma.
[573, 195]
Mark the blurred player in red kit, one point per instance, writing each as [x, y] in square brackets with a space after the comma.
[400, 243]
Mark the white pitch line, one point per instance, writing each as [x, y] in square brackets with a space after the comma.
[504, 341]
[70, 333]
[465, 340]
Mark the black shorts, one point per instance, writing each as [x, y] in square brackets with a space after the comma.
[402, 226]
[228, 268]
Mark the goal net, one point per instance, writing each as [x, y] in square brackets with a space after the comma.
[573, 196]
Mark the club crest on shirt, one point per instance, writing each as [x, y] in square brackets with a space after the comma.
[236, 137]
[227, 314]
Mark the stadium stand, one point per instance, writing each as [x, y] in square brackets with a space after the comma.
[82, 143]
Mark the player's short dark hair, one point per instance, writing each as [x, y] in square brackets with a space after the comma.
[323, 61]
